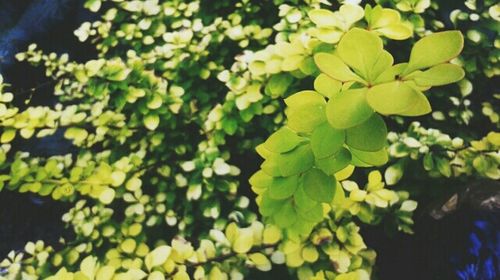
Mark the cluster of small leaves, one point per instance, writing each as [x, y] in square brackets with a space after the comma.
[443, 156]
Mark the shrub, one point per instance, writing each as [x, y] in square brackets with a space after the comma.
[166, 119]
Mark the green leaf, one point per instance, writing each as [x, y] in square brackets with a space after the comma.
[439, 75]
[365, 159]
[319, 186]
[334, 67]
[304, 97]
[116, 70]
[305, 111]
[302, 200]
[93, 5]
[243, 242]
[369, 136]
[360, 49]
[8, 135]
[297, 161]
[314, 214]
[334, 163]
[388, 23]
[261, 179]
[393, 174]
[286, 216]
[348, 109]
[435, 49]
[278, 84]
[323, 18]
[391, 98]
[269, 206]
[271, 166]
[283, 140]
[107, 196]
[75, 133]
[151, 121]
[283, 187]
[326, 140]
[327, 86]
[383, 62]
[443, 166]
[105, 273]
[328, 35]
[421, 107]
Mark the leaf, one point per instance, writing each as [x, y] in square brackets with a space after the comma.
[261, 179]
[360, 49]
[304, 97]
[327, 86]
[348, 109]
[151, 121]
[393, 174]
[334, 67]
[107, 196]
[283, 140]
[117, 178]
[269, 206]
[439, 75]
[271, 235]
[391, 98]
[435, 49]
[278, 84]
[409, 206]
[396, 31]
[116, 70]
[93, 5]
[327, 35]
[388, 23]
[261, 262]
[283, 187]
[157, 257]
[383, 62]
[8, 135]
[156, 275]
[76, 133]
[297, 161]
[319, 186]
[369, 136]
[243, 242]
[444, 167]
[365, 159]
[421, 106]
[286, 216]
[322, 17]
[105, 273]
[334, 163]
[302, 200]
[314, 215]
[305, 110]
[271, 166]
[326, 140]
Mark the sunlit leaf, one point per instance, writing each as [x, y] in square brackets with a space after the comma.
[348, 109]
[435, 49]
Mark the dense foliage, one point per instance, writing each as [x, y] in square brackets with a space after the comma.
[167, 120]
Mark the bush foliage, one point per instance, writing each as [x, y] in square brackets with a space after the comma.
[167, 120]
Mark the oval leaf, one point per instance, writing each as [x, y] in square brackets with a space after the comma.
[348, 109]
[435, 49]
[319, 186]
[326, 140]
[369, 136]
[391, 98]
